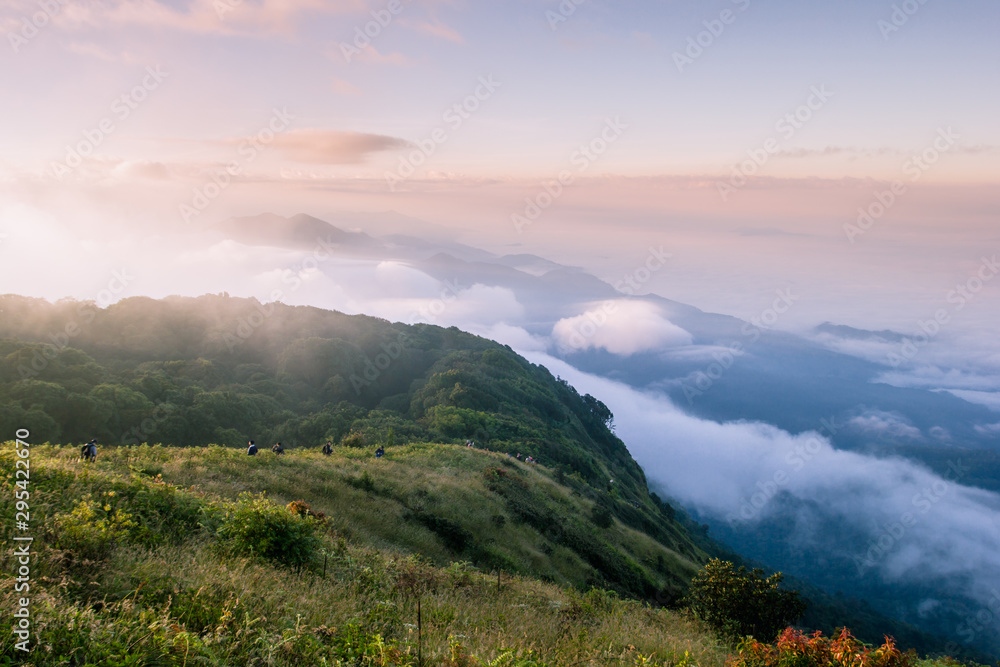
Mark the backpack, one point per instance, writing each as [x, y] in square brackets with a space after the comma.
[252, 450]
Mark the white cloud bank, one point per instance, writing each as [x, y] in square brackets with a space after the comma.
[621, 327]
[734, 471]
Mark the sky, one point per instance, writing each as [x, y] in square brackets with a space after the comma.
[746, 137]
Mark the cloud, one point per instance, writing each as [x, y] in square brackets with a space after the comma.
[855, 152]
[372, 56]
[958, 360]
[883, 423]
[347, 88]
[481, 304]
[348, 53]
[976, 150]
[94, 50]
[990, 399]
[940, 433]
[871, 346]
[837, 150]
[403, 281]
[141, 169]
[390, 289]
[515, 337]
[201, 16]
[948, 530]
[769, 232]
[317, 146]
[933, 377]
[696, 354]
[988, 429]
[479, 308]
[621, 327]
[435, 28]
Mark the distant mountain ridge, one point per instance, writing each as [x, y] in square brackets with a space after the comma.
[844, 331]
[303, 231]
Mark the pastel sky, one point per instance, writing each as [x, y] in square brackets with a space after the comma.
[742, 135]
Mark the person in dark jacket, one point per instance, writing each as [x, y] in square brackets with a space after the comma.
[252, 449]
[277, 448]
[89, 451]
[327, 449]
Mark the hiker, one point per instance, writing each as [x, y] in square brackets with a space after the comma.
[327, 449]
[277, 448]
[252, 449]
[379, 452]
[89, 451]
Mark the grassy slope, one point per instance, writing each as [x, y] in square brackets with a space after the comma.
[431, 499]
[165, 593]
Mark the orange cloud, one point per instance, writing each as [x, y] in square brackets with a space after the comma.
[372, 56]
[200, 16]
[342, 87]
[435, 29]
[317, 146]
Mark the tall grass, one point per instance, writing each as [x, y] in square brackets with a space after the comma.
[165, 591]
[373, 500]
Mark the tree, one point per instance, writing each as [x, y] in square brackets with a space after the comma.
[600, 411]
[737, 602]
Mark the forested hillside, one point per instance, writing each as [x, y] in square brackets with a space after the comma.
[225, 370]
[220, 370]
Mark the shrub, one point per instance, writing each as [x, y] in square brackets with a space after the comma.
[795, 649]
[91, 530]
[150, 470]
[357, 646]
[163, 512]
[496, 476]
[737, 602]
[454, 536]
[301, 508]
[255, 526]
[354, 439]
[601, 516]
[593, 604]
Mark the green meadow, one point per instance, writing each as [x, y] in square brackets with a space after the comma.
[139, 559]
